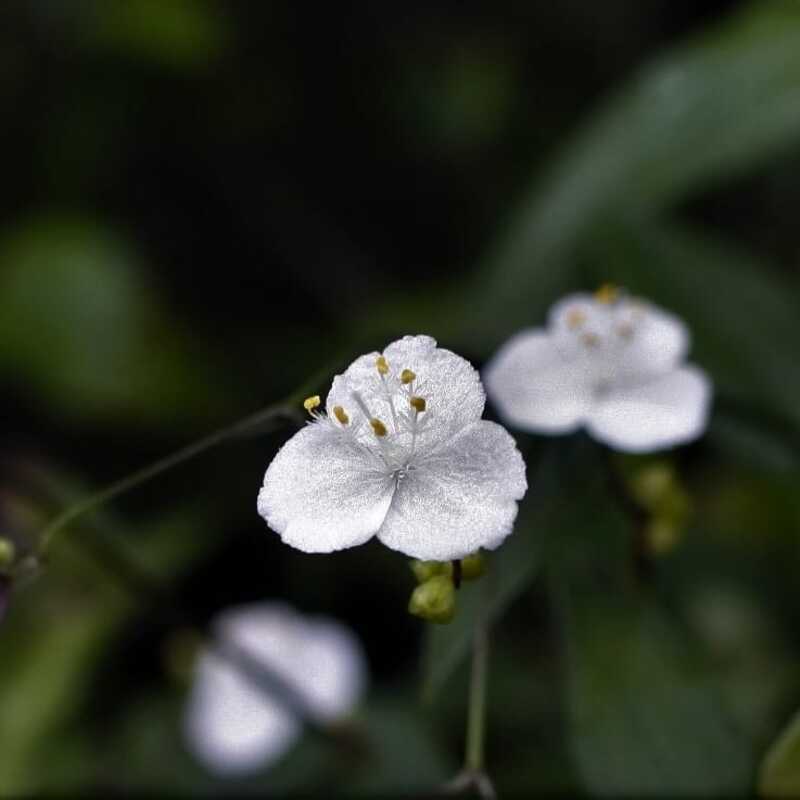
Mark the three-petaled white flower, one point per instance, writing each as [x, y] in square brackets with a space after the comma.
[611, 363]
[234, 726]
[402, 453]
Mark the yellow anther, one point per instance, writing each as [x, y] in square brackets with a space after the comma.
[382, 365]
[575, 318]
[607, 293]
[341, 415]
[378, 427]
[417, 403]
[406, 376]
[590, 339]
[310, 403]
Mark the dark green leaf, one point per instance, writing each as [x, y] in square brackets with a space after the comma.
[643, 712]
[714, 107]
[780, 769]
[80, 325]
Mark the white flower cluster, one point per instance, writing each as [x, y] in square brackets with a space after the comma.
[402, 454]
[235, 727]
[610, 363]
[401, 451]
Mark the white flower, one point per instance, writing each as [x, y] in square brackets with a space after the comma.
[402, 453]
[235, 727]
[608, 362]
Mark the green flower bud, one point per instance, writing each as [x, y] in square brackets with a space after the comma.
[434, 600]
[675, 506]
[7, 553]
[425, 570]
[662, 536]
[473, 567]
[652, 483]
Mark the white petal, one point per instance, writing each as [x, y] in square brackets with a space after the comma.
[534, 387]
[324, 491]
[458, 499]
[662, 412]
[450, 385]
[336, 673]
[233, 726]
[658, 341]
[229, 725]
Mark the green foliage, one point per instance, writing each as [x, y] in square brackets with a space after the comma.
[646, 719]
[780, 770]
[81, 326]
[707, 111]
[178, 33]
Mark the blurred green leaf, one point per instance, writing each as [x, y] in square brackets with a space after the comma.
[42, 681]
[79, 324]
[643, 712]
[743, 319]
[779, 774]
[404, 756]
[177, 33]
[644, 718]
[719, 105]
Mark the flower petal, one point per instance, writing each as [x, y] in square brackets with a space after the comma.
[337, 670]
[663, 412]
[324, 491]
[657, 341]
[449, 384]
[535, 388]
[458, 499]
[235, 727]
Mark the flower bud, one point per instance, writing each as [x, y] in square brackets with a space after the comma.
[7, 553]
[425, 570]
[651, 484]
[473, 567]
[434, 600]
[662, 536]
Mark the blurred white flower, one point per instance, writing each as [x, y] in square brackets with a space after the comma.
[611, 363]
[233, 725]
[402, 453]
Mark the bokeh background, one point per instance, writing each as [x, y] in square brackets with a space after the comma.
[207, 204]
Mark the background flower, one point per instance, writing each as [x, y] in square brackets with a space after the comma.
[233, 725]
[611, 363]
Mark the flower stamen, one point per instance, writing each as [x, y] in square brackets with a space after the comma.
[607, 294]
[382, 365]
[407, 376]
[417, 403]
[341, 415]
[378, 427]
[310, 403]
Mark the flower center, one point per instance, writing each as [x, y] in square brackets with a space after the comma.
[387, 419]
[598, 333]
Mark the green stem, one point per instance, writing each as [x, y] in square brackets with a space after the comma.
[476, 720]
[162, 465]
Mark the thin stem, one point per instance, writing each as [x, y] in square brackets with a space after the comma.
[476, 720]
[157, 468]
[473, 777]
